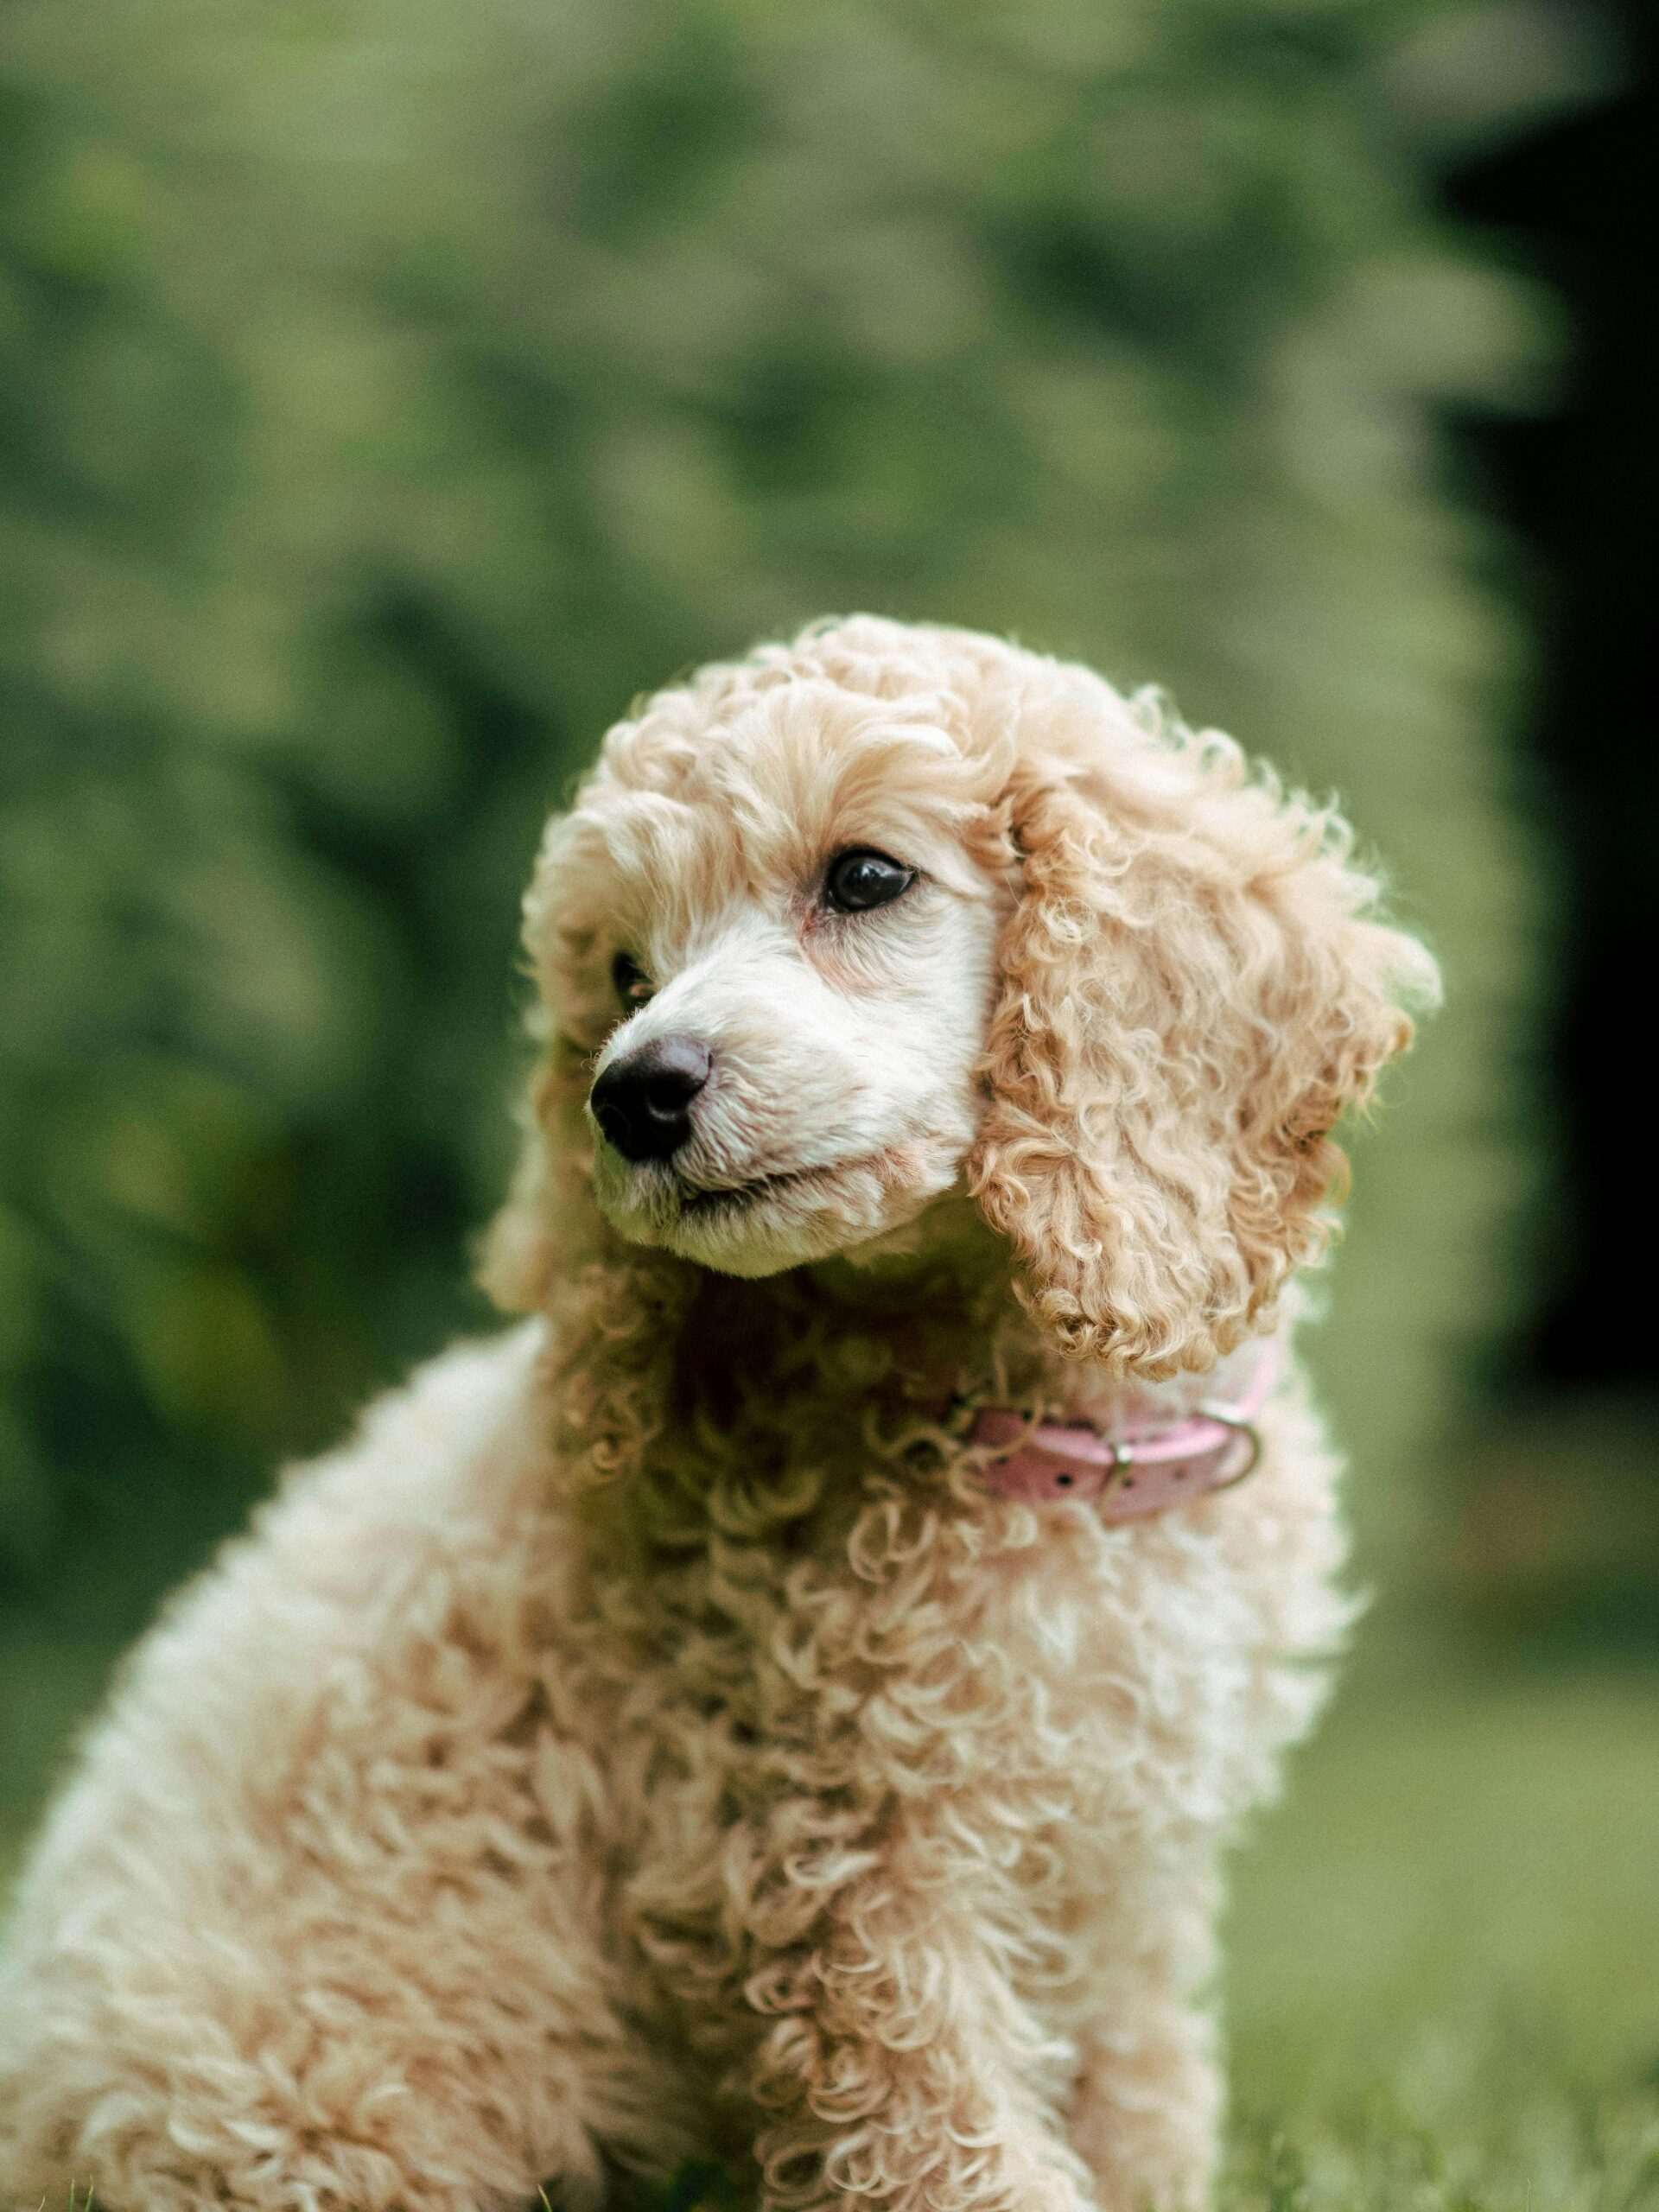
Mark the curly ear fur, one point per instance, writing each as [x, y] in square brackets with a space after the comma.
[517, 1258]
[1191, 994]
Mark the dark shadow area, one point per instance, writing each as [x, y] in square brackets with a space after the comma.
[1580, 201]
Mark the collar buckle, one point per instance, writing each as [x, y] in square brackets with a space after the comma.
[1242, 1425]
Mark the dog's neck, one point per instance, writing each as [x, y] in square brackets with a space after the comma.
[655, 1360]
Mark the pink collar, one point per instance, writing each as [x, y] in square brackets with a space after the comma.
[1146, 1471]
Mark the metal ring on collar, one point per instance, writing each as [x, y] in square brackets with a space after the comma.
[1241, 1426]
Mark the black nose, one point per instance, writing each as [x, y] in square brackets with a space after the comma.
[643, 1102]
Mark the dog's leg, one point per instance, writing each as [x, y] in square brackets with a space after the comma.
[369, 2064]
[903, 2071]
[1147, 2107]
[155, 2130]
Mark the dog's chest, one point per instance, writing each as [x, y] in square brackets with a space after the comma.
[934, 1703]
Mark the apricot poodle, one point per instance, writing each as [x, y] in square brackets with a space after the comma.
[784, 1703]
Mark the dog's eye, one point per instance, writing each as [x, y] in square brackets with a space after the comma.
[861, 878]
[629, 980]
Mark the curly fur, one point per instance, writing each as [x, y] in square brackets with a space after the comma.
[648, 1737]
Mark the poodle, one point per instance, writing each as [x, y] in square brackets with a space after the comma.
[782, 1702]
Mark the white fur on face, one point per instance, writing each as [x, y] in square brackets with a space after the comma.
[841, 1098]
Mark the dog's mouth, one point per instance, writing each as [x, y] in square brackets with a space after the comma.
[777, 1216]
[716, 1201]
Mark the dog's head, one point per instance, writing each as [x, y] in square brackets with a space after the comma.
[892, 912]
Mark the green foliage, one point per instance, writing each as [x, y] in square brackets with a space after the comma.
[391, 390]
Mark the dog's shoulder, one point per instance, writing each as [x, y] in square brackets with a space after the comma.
[443, 1450]
[436, 1481]
[424, 1499]
[302, 1632]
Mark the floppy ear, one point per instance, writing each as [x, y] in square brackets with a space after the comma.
[548, 1204]
[1191, 992]
[549, 1209]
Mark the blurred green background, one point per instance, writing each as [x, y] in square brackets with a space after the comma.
[389, 392]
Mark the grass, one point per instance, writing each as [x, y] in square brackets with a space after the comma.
[1443, 1962]
[1443, 1953]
